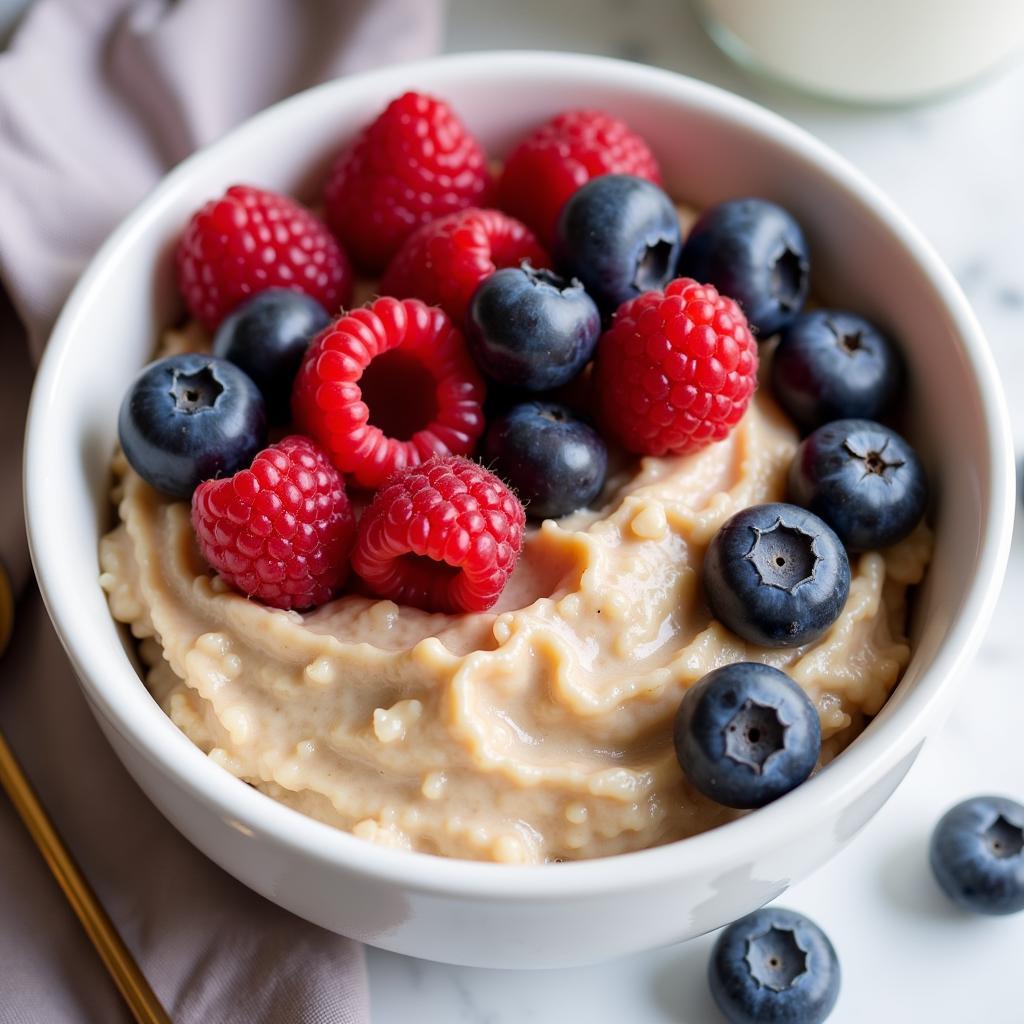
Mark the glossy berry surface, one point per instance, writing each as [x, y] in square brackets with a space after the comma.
[415, 163]
[443, 262]
[746, 734]
[831, 365]
[554, 160]
[776, 575]
[756, 253]
[250, 240]
[388, 386]
[267, 337]
[443, 536]
[188, 418]
[863, 479]
[530, 329]
[675, 371]
[555, 463]
[977, 855]
[619, 234]
[774, 967]
[282, 529]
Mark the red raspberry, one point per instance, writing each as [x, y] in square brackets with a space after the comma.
[676, 369]
[443, 536]
[250, 240]
[281, 530]
[443, 262]
[386, 386]
[563, 154]
[415, 163]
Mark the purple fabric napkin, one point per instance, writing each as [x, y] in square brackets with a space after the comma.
[98, 98]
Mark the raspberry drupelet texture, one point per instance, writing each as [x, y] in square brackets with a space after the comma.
[563, 154]
[676, 370]
[443, 536]
[442, 263]
[280, 531]
[387, 386]
[415, 163]
[250, 240]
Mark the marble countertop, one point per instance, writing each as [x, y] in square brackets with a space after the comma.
[955, 167]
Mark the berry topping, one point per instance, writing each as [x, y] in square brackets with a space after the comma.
[746, 734]
[774, 965]
[531, 329]
[443, 536]
[555, 463]
[443, 262]
[756, 252]
[267, 337]
[412, 165]
[675, 371]
[863, 479]
[776, 575]
[620, 236]
[250, 240]
[280, 530]
[830, 365]
[977, 855]
[188, 418]
[388, 386]
[563, 154]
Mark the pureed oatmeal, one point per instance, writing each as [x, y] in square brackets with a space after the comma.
[538, 730]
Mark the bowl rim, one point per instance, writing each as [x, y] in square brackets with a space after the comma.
[126, 706]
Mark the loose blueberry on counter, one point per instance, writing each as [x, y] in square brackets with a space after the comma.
[754, 252]
[774, 966]
[863, 479]
[776, 575]
[556, 463]
[190, 418]
[531, 329]
[267, 337]
[619, 235]
[977, 855]
[746, 734]
[831, 365]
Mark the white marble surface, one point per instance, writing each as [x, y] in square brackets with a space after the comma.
[956, 168]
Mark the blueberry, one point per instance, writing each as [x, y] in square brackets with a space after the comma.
[863, 479]
[754, 252]
[620, 236]
[267, 337]
[830, 365]
[746, 734]
[774, 965]
[188, 418]
[555, 462]
[531, 329]
[776, 575]
[977, 855]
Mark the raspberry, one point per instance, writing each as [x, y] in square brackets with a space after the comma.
[415, 163]
[443, 262]
[443, 536]
[676, 369]
[281, 530]
[563, 154]
[387, 386]
[250, 240]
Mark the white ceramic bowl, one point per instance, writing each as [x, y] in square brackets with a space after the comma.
[711, 146]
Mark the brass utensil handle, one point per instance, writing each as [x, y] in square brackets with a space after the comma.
[129, 979]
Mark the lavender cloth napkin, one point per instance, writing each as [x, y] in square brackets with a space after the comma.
[98, 98]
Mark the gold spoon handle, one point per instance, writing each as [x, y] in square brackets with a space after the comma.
[130, 981]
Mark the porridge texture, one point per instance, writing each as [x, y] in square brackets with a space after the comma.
[539, 730]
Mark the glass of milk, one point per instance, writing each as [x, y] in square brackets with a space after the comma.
[869, 51]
